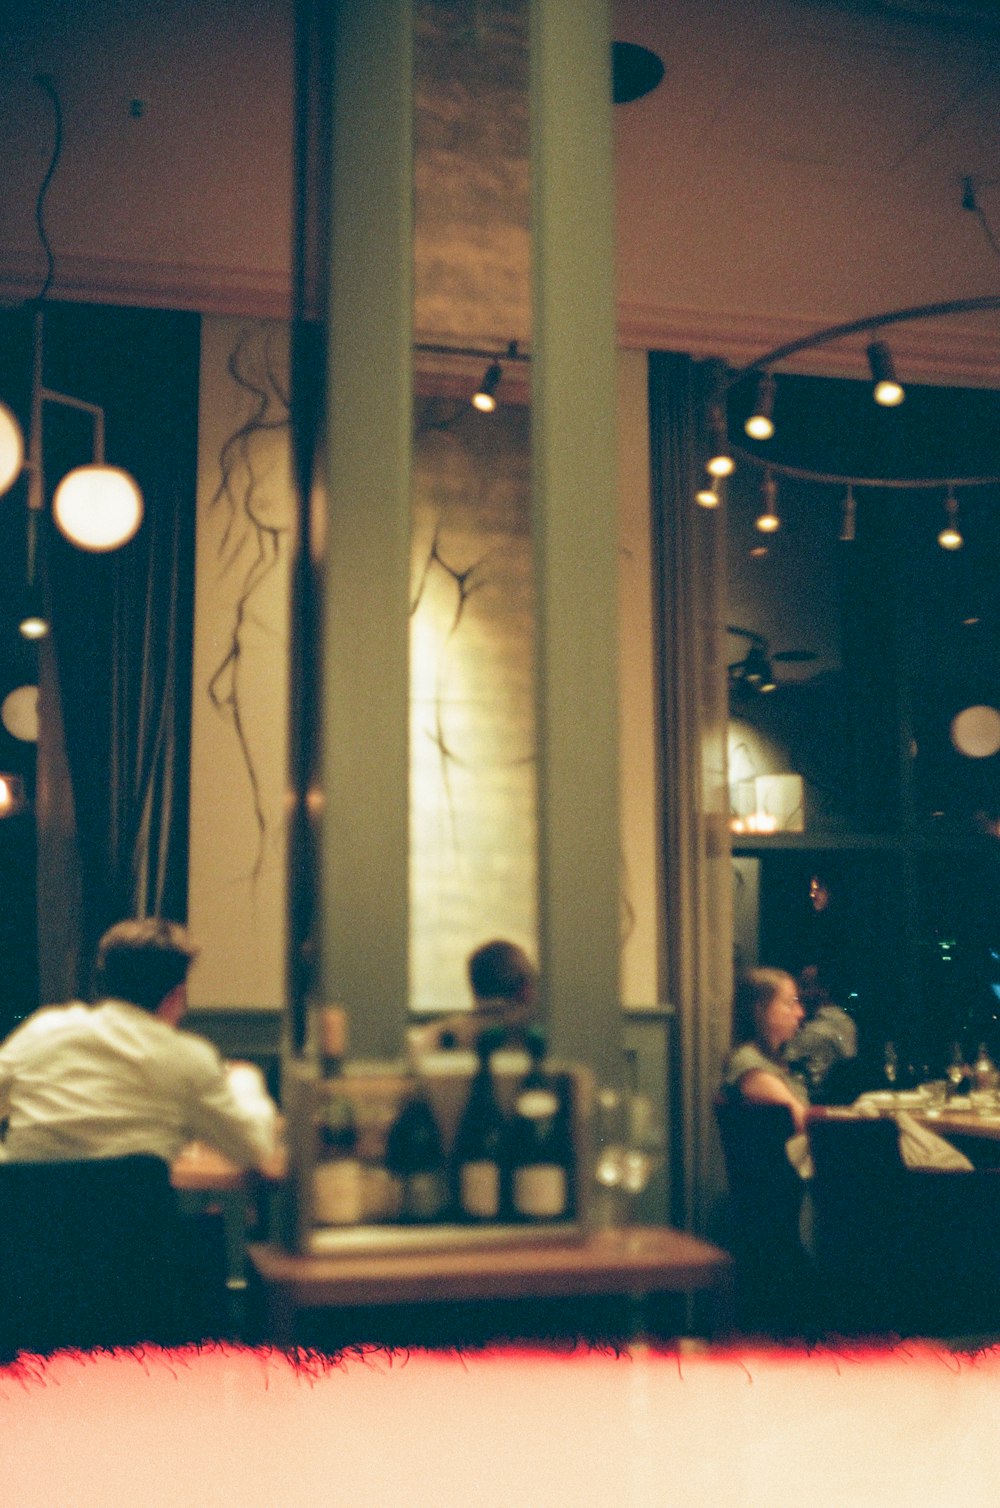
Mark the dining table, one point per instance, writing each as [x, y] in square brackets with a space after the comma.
[973, 1127]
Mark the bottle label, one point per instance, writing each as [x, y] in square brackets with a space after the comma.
[534, 1104]
[337, 1192]
[425, 1196]
[479, 1189]
[541, 1191]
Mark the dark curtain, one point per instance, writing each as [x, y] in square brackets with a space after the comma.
[121, 639]
[689, 569]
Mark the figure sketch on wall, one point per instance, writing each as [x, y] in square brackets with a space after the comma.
[472, 731]
[254, 492]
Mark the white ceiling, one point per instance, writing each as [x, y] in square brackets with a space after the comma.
[802, 164]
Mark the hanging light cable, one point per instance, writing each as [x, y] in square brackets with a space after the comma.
[950, 537]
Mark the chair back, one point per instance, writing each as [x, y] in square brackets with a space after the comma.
[901, 1251]
[773, 1271]
[87, 1254]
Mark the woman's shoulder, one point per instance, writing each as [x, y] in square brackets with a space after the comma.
[745, 1058]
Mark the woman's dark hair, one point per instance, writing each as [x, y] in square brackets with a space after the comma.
[142, 961]
[753, 993]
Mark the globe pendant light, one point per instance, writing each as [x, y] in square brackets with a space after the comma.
[97, 507]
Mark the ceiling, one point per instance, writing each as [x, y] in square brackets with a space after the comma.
[803, 164]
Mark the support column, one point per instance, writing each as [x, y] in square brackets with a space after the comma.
[575, 527]
[365, 675]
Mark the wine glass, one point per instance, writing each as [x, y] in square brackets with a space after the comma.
[629, 1144]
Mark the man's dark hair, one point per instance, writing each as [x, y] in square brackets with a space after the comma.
[142, 961]
[500, 971]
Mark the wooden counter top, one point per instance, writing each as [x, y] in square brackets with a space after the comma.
[631, 1260]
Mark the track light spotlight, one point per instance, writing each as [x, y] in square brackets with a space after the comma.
[950, 537]
[767, 520]
[849, 516]
[484, 398]
[760, 424]
[888, 390]
[707, 497]
[720, 461]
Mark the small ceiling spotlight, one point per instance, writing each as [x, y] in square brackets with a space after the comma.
[707, 497]
[848, 519]
[760, 424]
[767, 520]
[950, 537]
[33, 624]
[484, 398]
[720, 461]
[888, 390]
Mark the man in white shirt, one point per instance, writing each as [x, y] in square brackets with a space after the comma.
[117, 1077]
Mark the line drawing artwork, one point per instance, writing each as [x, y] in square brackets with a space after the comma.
[254, 492]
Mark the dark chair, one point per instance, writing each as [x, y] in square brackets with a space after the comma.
[901, 1251]
[93, 1254]
[774, 1285]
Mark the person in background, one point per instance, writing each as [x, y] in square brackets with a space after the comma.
[827, 1037]
[116, 1077]
[504, 984]
[767, 1014]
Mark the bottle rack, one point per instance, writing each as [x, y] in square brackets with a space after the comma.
[377, 1090]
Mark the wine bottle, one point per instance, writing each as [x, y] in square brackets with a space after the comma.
[478, 1156]
[415, 1156]
[337, 1177]
[540, 1147]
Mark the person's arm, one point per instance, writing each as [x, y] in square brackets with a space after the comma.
[239, 1120]
[758, 1087]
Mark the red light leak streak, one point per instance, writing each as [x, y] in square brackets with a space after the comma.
[259, 1429]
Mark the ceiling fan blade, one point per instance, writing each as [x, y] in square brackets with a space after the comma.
[747, 633]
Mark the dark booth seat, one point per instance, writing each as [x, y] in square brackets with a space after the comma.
[902, 1251]
[774, 1274]
[94, 1254]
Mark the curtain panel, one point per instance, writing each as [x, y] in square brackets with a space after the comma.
[114, 748]
[689, 565]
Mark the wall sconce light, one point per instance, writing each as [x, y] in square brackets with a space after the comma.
[97, 507]
[950, 537]
[19, 713]
[11, 795]
[760, 424]
[767, 520]
[11, 449]
[888, 390]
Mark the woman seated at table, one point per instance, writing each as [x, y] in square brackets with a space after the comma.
[766, 1014]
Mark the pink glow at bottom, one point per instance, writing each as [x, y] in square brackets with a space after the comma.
[250, 1429]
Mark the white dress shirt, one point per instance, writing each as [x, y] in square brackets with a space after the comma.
[111, 1079]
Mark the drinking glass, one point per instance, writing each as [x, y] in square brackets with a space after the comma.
[628, 1145]
[935, 1095]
